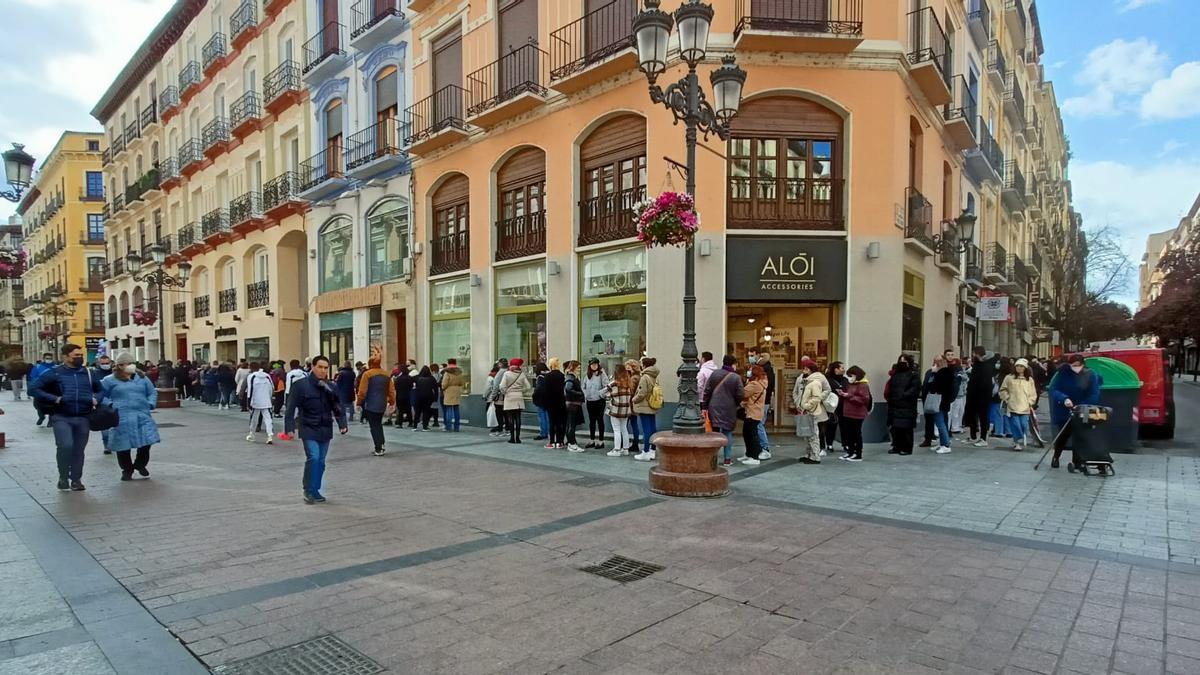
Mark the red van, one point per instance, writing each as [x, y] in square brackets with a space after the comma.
[1156, 405]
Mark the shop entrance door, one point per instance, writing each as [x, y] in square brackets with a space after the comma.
[227, 351]
[181, 347]
[338, 344]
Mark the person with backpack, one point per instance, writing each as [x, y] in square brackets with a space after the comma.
[573, 396]
[809, 398]
[554, 402]
[69, 393]
[754, 402]
[856, 405]
[647, 401]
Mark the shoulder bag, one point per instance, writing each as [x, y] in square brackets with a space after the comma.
[102, 417]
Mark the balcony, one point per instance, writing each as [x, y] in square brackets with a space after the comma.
[979, 22]
[117, 267]
[1034, 266]
[451, 253]
[243, 24]
[118, 205]
[273, 7]
[512, 85]
[949, 258]
[325, 53]
[149, 116]
[106, 157]
[769, 203]
[961, 115]
[246, 213]
[1018, 277]
[436, 121]
[609, 217]
[245, 115]
[179, 313]
[995, 263]
[88, 195]
[1033, 197]
[593, 48]
[281, 87]
[117, 145]
[214, 226]
[918, 226]
[521, 236]
[386, 270]
[189, 79]
[93, 283]
[200, 306]
[997, 66]
[323, 174]
[213, 54]
[147, 183]
[132, 133]
[92, 239]
[827, 26]
[168, 174]
[930, 56]
[1014, 102]
[1013, 193]
[374, 22]
[973, 268]
[376, 149]
[190, 157]
[258, 294]
[1014, 16]
[188, 236]
[168, 102]
[215, 137]
[227, 300]
[281, 196]
[985, 162]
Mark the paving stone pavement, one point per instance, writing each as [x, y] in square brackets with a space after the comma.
[457, 554]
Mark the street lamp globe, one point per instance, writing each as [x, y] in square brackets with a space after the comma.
[185, 271]
[134, 262]
[72, 305]
[158, 254]
[727, 82]
[694, 20]
[652, 31]
[965, 226]
[18, 167]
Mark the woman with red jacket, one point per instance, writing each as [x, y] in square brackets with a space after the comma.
[856, 405]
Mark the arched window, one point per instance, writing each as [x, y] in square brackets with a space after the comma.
[387, 229]
[334, 133]
[137, 167]
[139, 298]
[386, 92]
[336, 253]
[219, 101]
[124, 320]
[154, 153]
[250, 75]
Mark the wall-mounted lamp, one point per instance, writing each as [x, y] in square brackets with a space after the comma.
[553, 269]
[705, 247]
[236, 317]
[751, 320]
[270, 313]
[873, 251]
[207, 322]
[476, 281]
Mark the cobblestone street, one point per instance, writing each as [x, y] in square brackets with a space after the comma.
[458, 554]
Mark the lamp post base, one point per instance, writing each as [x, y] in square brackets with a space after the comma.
[687, 465]
[167, 398]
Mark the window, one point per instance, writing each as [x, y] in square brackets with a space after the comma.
[262, 265]
[96, 315]
[95, 227]
[93, 146]
[450, 324]
[912, 315]
[335, 240]
[95, 184]
[613, 306]
[388, 244]
[386, 88]
[521, 312]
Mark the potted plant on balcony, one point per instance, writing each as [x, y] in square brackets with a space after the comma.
[668, 220]
[46, 333]
[144, 317]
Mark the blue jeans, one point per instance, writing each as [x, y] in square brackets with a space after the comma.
[634, 429]
[763, 444]
[939, 421]
[649, 425]
[1019, 426]
[728, 442]
[543, 422]
[71, 436]
[450, 417]
[314, 465]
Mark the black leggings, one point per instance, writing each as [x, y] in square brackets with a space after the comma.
[595, 413]
[828, 430]
[128, 464]
[852, 436]
[558, 425]
[979, 409]
[574, 416]
[750, 435]
[513, 420]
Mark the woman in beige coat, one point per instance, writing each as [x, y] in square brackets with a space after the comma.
[807, 399]
[514, 387]
[1020, 395]
[452, 389]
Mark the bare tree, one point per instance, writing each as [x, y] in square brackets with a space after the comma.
[1093, 268]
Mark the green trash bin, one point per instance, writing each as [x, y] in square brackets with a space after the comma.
[1120, 389]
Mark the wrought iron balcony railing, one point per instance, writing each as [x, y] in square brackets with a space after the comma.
[592, 38]
[520, 71]
[1015, 98]
[367, 13]
[132, 132]
[190, 76]
[838, 17]
[326, 43]
[990, 148]
[382, 139]
[243, 18]
[149, 114]
[168, 168]
[179, 312]
[919, 224]
[962, 105]
[281, 189]
[609, 217]
[995, 58]
[214, 222]
[214, 50]
[973, 268]
[785, 203]
[190, 153]
[169, 98]
[258, 294]
[117, 144]
[323, 166]
[521, 236]
[451, 253]
[227, 300]
[1013, 178]
[188, 235]
[979, 12]
[928, 42]
[245, 109]
[995, 260]
[245, 207]
[200, 306]
[285, 78]
[216, 131]
[437, 112]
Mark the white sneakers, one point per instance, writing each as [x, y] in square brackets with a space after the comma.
[250, 437]
[765, 454]
[944, 450]
[823, 453]
[617, 453]
[574, 448]
[979, 442]
[270, 441]
[647, 456]
[749, 461]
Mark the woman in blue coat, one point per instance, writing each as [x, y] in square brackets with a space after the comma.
[134, 397]
[1075, 384]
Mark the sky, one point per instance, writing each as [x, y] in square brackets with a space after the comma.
[1126, 72]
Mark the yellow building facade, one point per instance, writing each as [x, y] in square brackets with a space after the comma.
[205, 130]
[64, 242]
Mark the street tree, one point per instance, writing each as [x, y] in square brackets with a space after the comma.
[1108, 321]
[1173, 317]
[1094, 267]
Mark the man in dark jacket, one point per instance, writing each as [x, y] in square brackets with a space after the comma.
[1075, 384]
[404, 383]
[979, 394]
[347, 384]
[376, 395]
[319, 409]
[903, 391]
[69, 393]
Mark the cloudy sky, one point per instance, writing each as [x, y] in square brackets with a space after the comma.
[1128, 78]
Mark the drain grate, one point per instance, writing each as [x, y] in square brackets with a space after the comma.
[325, 655]
[622, 569]
[170, 425]
[588, 481]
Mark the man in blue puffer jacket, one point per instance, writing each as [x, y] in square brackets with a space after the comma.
[1075, 384]
[47, 363]
[69, 392]
[319, 409]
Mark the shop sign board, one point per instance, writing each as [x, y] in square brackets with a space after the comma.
[787, 269]
[994, 308]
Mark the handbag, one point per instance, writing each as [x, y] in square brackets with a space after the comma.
[102, 417]
[933, 403]
[492, 422]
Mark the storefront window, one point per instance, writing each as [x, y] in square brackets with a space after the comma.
[336, 255]
[613, 306]
[521, 313]
[258, 349]
[388, 228]
[450, 325]
[911, 318]
[337, 336]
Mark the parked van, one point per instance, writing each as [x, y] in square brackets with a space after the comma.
[1156, 405]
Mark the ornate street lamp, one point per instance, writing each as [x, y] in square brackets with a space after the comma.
[160, 279]
[18, 171]
[956, 235]
[687, 102]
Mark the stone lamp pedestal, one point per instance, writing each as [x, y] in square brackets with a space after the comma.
[167, 398]
[687, 465]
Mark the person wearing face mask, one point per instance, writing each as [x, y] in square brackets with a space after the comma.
[1074, 384]
[133, 396]
[103, 369]
[855, 405]
[40, 367]
[69, 394]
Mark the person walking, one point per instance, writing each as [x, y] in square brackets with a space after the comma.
[619, 408]
[723, 394]
[260, 394]
[17, 370]
[278, 377]
[47, 363]
[980, 385]
[133, 396]
[68, 393]
[1018, 393]
[102, 369]
[348, 383]
[764, 442]
[452, 391]
[595, 391]
[941, 393]
[554, 402]
[426, 389]
[1075, 384]
[573, 397]
[835, 374]
[294, 375]
[318, 408]
[403, 384]
[647, 401]
[376, 396]
[514, 387]
[754, 402]
[808, 397]
[904, 391]
[855, 406]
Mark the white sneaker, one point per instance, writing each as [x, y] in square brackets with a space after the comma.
[574, 448]
[647, 456]
[979, 443]
[750, 461]
[1018, 447]
[943, 450]
[617, 453]
[250, 437]
[765, 454]
[823, 453]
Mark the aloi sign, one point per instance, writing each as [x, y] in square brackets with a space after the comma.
[788, 270]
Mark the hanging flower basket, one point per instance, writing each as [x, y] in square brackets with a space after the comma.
[45, 333]
[668, 220]
[12, 264]
[144, 317]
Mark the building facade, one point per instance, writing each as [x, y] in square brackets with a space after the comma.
[12, 293]
[206, 129]
[1150, 278]
[64, 243]
[357, 180]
